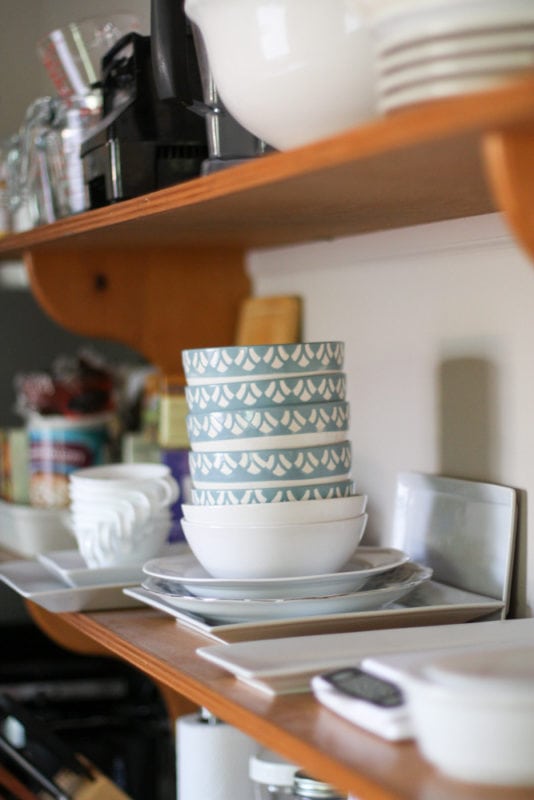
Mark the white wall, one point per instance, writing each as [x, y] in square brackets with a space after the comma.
[438, 322]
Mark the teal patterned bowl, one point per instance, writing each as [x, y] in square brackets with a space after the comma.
[307, 491]
[267, 469]
[223, 364]
[301, 425]
[324, 387]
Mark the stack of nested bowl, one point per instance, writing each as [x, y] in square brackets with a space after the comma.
[270, 464]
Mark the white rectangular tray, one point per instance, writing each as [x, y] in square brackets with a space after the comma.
[283, 666]
[430, 604]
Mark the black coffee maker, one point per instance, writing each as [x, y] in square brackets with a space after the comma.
[148, 138]
[228, 142]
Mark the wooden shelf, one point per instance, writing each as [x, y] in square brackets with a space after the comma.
[166, 271]
[419, 165]
[296, 726]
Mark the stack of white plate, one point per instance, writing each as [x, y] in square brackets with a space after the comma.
[430, 49]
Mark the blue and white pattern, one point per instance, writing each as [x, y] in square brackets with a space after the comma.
[320, 388]
[304, 464]
[207, 365]
[314, 491]
[221, 426]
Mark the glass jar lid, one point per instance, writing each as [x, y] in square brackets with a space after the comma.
[308, 787]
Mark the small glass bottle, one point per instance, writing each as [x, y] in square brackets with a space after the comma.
[307, 788]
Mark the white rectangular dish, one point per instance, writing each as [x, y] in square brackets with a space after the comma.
[430, 604]
[33, 581]
[27, 531]
[69, 566]
[285, 666]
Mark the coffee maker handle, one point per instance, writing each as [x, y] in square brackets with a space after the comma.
[173, 58]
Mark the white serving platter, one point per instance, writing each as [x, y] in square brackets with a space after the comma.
[187, 572]
[430, 604]
[284, 666]
[33, 581]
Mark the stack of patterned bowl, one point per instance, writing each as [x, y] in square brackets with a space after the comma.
[268, 430]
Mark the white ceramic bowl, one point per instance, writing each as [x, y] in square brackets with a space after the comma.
[269, 551]
[280, 494]
[303, 425]
[263, 469]
[225, 364]
[258, 393]
[277, 513]
[288, 71]
[473, 715]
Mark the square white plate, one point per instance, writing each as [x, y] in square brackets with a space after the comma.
[70, 567]
[33, 581]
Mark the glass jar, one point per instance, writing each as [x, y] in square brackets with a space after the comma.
[307, 788]
[271, 776]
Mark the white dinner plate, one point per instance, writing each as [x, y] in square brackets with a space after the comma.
[187, 573]
[390, 587]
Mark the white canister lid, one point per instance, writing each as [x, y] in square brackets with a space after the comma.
[269, 768]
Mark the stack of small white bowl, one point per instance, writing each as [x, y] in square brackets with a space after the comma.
[429, 49]
[120, 513]
[270, 464]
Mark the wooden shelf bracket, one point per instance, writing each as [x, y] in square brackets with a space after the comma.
[509, 158]
[157, 300]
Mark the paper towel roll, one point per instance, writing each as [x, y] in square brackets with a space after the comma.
[212, 760]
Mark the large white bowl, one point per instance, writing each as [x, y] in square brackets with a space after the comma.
[274, 551]
[290, 71]
[277, 513]
[473, 715]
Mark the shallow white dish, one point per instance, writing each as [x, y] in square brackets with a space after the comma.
[33, 581]
[69, 566]
[187, 572]
[395, 584]
[26, 530]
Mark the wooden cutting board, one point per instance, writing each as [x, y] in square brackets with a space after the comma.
[269, 320]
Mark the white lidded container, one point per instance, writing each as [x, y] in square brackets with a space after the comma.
[271, 776]
[473, 714]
